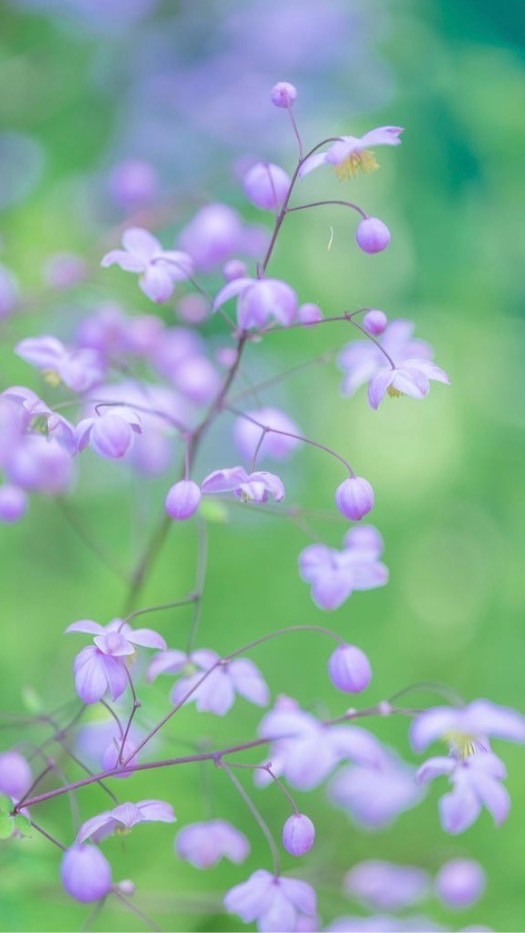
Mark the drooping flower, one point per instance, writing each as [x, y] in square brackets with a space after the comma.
[159, 269]
[111, 433]
[249, 487]
[86, 873]
[205, 844]
[103, 667]
[467, 728]
[298, 834]
[80, 370]
[259, 301]
[476, 782]
[334, 575]
[350, 154]
[411, 378]
[305, 750]
[386, 886]
[216, 694]
[122, 818]
[274, 902]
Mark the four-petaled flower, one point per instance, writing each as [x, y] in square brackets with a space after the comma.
[249, 487]
[102, 667]
[205, 844]
[160, 269]
[121, 819]
[260, 301]
[349, 154]
[79, 370]
[412, 378]
[214, 693]
[334, 575]
[276, 903]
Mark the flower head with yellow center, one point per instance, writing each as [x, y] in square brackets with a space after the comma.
[351, 154]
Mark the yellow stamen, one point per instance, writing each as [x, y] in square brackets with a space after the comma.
[52, 377]
[364, 161]
[393, 392]
[122, 830]
[463, 745]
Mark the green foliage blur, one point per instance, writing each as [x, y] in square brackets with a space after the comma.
[448, 473]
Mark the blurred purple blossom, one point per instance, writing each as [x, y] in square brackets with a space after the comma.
[205, 844]
[159, 269]
[335, 575]
[274, 902]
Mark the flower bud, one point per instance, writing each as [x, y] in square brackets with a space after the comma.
[126, 887]
[309, 313]
[372, 235]
[354, 498]
[133, 183]
[111, 436]
[266, 185]
[183, 500]
[86, 873]
[375, 322]
[15, 775]
[13, 503]
[460, 882]
[234, 269]
[349, 669]
[298, 834]
[283, 94]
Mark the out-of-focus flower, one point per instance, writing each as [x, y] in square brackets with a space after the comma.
[86, 873]
[15, 774]
[335, 575]
[216, 694]
[460, 882]
[205, 844]
[274, 902]
[260, 301]
[9, 292]
[374, 795]
[64, 270]
[385, 886]
[283, 94]
[122, 818]
[102, 667]
[80, 370]
[277, 446]
[350, 154]
[375, 322]
[13, 503]
[249, 487]
[476, 782]
[266, 185]
[217, 233]
[159, 269]
[133, 183]
[309, 313]
[305, 750]
[466, 728]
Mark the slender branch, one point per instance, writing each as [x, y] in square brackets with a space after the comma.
[257, 816]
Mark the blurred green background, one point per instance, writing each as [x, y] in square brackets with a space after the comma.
[448, 473]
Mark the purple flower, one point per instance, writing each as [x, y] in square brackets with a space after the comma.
[247, 435]
[349, 154]
[205, 844]
[9, 292]
[305, 750]
[283, 94]
[15, 774]
[249, 487]
[354, 498]
[349, 669]
[298, 834]
[182, 500]
[372, 235]
[40, 464]
[476, 782]
[275, 903]
[460, 882]
[160, 269]
[213, 235]
[375, 322]
[266, 185]
[260, 300]
[385, 886]
[64, 270]
[309, 313]
[411, 378]
[373, 796]
[13, 503]
[122, 818]
[133, 183]
[102, 667]
[334, 575]
[361, 360]
[86, 874]
[80, 370]
[467, 727]
[110, 434]
[216, 693]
